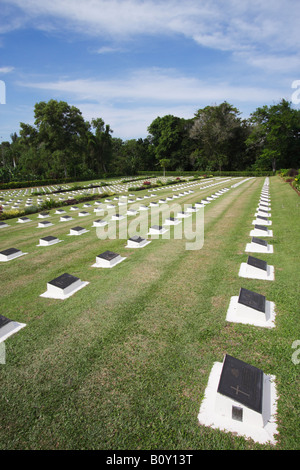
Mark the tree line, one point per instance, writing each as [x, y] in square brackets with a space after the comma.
[61, 144]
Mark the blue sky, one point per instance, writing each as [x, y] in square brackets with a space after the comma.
[129, 61]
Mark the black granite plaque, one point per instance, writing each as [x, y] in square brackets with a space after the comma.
[77, 229]
[237, 413]
[252, 300]
[2, 224]
[242, 382]
[24, 218]
[259, 241]
[63, 281]
[257, 263]
[108, 255]
[136, 239]
[44, 213]
[262, 218]
[4, 321]
[156, 227]
[263, 210]
[49, 238]
[261, 227]
[45, 223]
[10, 251]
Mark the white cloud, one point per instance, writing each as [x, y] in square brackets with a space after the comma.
[129, 104]
[108, 50]
[154, 85]
[230, 25]
[7, 69]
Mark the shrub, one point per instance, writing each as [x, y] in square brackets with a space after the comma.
[31, 210]
[11, 214]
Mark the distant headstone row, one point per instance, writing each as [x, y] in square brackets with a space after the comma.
[240, 397]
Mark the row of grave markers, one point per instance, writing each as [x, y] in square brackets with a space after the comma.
[66, 284]
[239, 397]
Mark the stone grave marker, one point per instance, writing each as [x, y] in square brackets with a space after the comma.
[78, 230]
[108, 259]
[157, 230]
[251, 308]
[172, 221]
[261, 231]
[66, 218]
[256, 269]
[63, 287]
[258, 245]
[43, 215]
[242, 399]
[23, 220]
[8, 327]
[49, 240]
[44, 224]
[137, 242]
[10, 254]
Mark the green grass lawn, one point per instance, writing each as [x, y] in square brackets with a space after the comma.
[124, 363]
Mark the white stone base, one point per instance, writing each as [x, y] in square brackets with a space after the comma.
[251, 272]
[262, 214]
[133, 244]
[103, 263]
[10, 329]
[238, 313]
[42, 225]
[77, 233]
[261, 222]
[131, 212]
[153, 231]
[208, 415]
[48, 243]
[4, 258]
[256, 248]
[183, 215]
[100, 224]
[261, 233]
[172, 222]
[54, 292]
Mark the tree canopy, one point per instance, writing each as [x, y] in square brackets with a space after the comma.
[62, 144]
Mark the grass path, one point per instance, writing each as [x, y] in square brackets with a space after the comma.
[124, 363]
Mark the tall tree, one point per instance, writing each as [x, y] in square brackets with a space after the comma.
[275, 136]
[100, 145]
[169, 139]
[62, 129]
[215, 128]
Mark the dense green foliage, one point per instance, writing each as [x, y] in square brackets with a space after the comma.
[61, 144]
